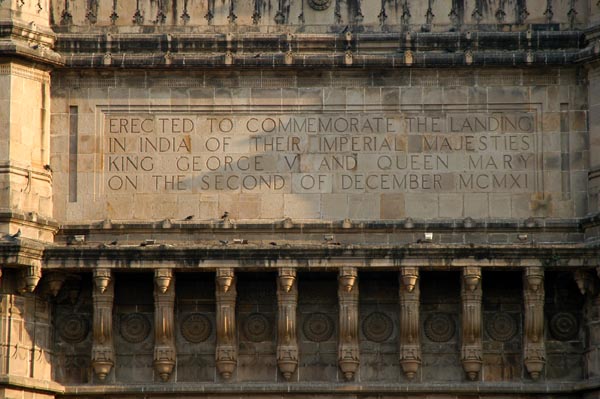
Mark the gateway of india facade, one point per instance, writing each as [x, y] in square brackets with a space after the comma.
[300, 199]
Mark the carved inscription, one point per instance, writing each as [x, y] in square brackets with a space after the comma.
[321, 153]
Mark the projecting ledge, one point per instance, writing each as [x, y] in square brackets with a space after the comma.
[31, 384]
[333, 388]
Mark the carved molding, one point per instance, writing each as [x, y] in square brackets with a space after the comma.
[287, 302]
[534, 349]
[102, 345]
[348, 349]
[226, 350]
[410, 344]
[164, 337]
[471, 294]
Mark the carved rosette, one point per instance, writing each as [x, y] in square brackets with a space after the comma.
[410, 345]
[287, 300]
[102, 346]
[164, 338]
[226, 351]
[471, 294]
[348, 350]
[534, 348]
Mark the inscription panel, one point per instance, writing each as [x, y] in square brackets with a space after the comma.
[452, 152]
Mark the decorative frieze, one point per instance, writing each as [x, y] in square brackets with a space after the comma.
[410, 344]
[471, 294]
[287, 300]
[102, 345]
[226, 351]
[164, 338]
[348, 349]
[534, 349]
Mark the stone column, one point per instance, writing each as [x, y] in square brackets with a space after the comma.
[410, 344]
[471, 294]
[164, 308]
[348, 350]
[102, 346]
[226, 352]
[287, 300]
[534, 349]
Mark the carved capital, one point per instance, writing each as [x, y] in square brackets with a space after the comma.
[409, 277]
[162, 279]
[55, 281]
[224, 279]
[347, 278]
[471, 277]
[287, 277]
[31, 276]
[102, 278]
[586, 282]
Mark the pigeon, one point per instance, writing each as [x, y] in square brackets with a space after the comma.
[113, 242]
[189, 217]
[225, 215]
[17, 234]
[48, 168]
[273, 243]
[224, 242]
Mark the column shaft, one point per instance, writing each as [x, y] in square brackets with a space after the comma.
[534, 349]
[102, 346]
[287, 344]
[164, 309]
[226, 351]
[410, 344]
[471, 294]
[348, 349]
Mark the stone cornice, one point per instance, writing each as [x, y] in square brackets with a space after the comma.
[443, 389]
[28, 42]
[399, 49]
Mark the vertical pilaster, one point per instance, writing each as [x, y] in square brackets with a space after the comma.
[287, 300]
[102, 346]
[410, 344]
[593, 119]
[226, 351]
[164, 308]
[471, 294]
[348, 350]
[534, 349]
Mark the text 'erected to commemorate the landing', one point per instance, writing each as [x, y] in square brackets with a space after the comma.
[321, 153]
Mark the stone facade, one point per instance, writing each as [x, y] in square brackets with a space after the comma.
[292, 198]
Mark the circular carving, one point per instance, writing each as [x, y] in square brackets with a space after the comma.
[501, 327]
[135, 328]
[439, 327]
[378, 327]
[564, 326]
[318, 327]
[319, 5]
[73, 328]
[257, 328]
[196, 328]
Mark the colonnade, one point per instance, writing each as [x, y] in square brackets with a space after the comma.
[103, 356]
